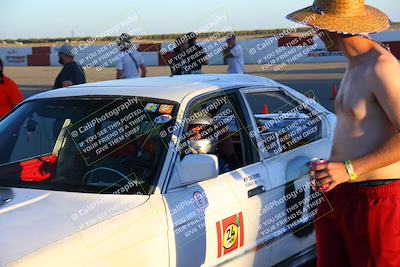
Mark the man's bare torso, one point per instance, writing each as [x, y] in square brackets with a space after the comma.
[362, 125]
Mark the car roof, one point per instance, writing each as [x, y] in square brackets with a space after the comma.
[169, 88]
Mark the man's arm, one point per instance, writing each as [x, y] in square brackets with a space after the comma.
[68, 76]
[119, 66]
[385, 81]
[236, 51]
[142, 67]
[143, 70]
[226, 51]
[119, 74]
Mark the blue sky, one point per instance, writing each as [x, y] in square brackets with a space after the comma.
[50, 18]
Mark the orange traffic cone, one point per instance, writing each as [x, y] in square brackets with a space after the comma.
[334, 91]
[265, 109]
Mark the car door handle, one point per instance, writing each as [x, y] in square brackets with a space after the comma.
[256, 191]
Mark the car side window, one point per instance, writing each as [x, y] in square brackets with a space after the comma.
[283, 122]
[214, 126]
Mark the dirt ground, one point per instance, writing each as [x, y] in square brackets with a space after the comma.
[45, 76]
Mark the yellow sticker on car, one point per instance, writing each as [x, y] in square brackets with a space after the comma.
[166, 109]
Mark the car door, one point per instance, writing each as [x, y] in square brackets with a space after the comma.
[216, 221]
[291, 130]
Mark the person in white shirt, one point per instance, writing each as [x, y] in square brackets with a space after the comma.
[131, 64]
[234, 56]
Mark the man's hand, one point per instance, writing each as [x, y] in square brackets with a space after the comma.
[66, 83]
[226, 50]
[331, 173]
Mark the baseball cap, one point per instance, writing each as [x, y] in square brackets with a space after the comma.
[67, 50]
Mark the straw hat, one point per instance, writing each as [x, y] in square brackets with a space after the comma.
[342, 16]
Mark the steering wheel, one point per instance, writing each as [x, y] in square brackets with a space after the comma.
[86, 179]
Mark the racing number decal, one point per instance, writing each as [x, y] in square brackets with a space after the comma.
[230, 236]
[230, 233]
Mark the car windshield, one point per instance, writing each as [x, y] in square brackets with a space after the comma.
[86, 144]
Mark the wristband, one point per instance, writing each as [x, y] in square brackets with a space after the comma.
[350, 171]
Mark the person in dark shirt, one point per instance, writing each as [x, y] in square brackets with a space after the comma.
[196, 55]
[72, 73]
[179, 63]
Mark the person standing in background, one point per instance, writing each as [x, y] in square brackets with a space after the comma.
[179, 63]
[10, 95]
[234, 56]
[71, 73]
[131, 64]
[196, 54]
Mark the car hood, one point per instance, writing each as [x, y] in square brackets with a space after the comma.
[31, 219]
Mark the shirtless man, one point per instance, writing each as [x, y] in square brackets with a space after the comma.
[359, 224]
[368, 114]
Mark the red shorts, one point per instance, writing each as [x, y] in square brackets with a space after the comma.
[359, 226]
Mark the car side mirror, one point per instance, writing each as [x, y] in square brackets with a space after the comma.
[197, 167]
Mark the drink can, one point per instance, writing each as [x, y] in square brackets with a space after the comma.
[316, 161]
[313, 164]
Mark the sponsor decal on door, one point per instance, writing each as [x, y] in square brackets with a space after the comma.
[230, 233]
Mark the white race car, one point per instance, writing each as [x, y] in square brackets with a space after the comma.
[196, 170]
